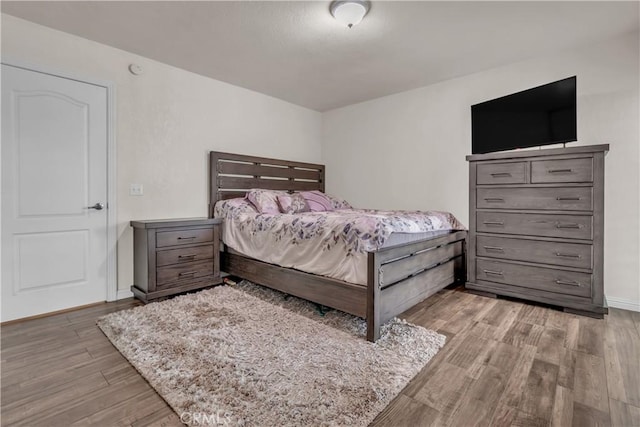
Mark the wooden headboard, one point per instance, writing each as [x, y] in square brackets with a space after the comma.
[231, 175]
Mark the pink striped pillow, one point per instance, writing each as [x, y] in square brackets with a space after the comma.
[317, 201]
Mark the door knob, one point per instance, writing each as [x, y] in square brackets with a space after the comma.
[97, 206]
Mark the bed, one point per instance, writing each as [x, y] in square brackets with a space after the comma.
[396, 276]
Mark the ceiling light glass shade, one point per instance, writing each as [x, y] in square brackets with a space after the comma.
[349, 12]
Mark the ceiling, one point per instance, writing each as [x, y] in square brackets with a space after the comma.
[297, 52]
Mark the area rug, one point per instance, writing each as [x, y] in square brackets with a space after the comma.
[250, 356]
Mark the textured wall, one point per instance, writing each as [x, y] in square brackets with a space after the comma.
[402, 151]
[408, 150]
[167, 120]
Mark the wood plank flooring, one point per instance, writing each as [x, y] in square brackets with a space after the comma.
[505, 364]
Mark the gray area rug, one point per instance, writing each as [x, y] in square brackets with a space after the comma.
[247, 355]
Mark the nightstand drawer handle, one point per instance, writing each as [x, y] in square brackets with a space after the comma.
[560, 254]
[497, 273]
[493, 222]
[187, 273]
[187, 256]
[564, 199]
[570, 283]
[560, 170]
[494, 199]
[570, 225]
[494, 248]
[186, 238]
[500, 174]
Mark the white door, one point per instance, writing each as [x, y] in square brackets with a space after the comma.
[54, 167]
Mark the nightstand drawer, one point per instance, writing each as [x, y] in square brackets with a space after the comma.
[566, 198]
[192, 270]
[184, 237]
[569, 170]
[567, 226]
[501, 173]
[546, 279]
[182, 255]
[556, 253]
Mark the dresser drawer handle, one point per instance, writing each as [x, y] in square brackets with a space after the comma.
[569, 283]
[571, 225]
[493, 222]
[564, 199]
[187, 256]
[496, 273]
[186, 238]
[187, 273]
[560, 170]
[494, 199]
[493, 248]
[500, 174]
[560, 254]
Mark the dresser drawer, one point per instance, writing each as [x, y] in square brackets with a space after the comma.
[567, 198]
[568, 226]
[569, 170]
[182, 255]
[562, 254]
[176, 272]
[546, 279]
[184, 237]
[501, 173]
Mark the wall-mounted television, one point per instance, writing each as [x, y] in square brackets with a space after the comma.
[542, 115]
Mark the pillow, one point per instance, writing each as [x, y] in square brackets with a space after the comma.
[338, 203]
[232, 208]
[239, 203]
[293, 203]
[317, 201]
[265, 201]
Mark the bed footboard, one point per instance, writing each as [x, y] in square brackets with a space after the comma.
[400, 277]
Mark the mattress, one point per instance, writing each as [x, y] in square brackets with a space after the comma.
[332, 244]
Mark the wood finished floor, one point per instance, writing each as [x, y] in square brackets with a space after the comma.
[504, 363]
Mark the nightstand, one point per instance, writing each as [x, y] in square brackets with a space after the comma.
[175, 255]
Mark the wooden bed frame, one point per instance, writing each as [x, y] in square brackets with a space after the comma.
[398, 277]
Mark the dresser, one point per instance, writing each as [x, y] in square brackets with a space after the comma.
[175, 255]
[536, 226]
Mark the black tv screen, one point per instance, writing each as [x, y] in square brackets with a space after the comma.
[539, 116]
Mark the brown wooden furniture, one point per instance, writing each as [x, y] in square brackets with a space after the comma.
[175, 255]
[399, 277]
[537, 226]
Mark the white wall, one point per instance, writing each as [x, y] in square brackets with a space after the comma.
[402, 151]
[408, 150]
[167, 121]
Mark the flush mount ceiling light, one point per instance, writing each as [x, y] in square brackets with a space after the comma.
[349, 12]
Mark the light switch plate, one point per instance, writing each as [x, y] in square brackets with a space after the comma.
[135, 190]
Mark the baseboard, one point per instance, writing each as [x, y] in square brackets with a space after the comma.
[623, 303]
[124, 293]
